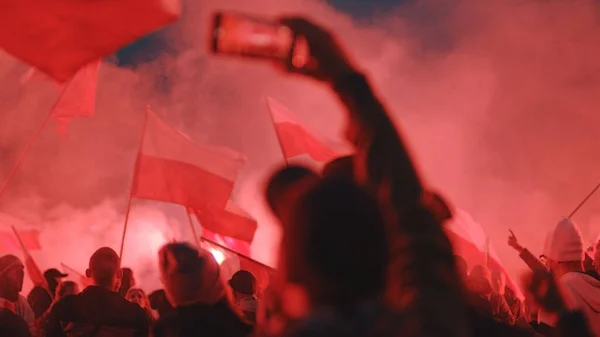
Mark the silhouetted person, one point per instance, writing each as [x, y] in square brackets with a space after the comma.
[158, 301]
[194, 287]
[127, 281]
[286, 185]
[12, 274]
[243, 285]
[11, 325]
[41, 298]
[99, 308]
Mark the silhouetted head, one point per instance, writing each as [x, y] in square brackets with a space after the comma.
[53, 277]
[336, 242]
[104, 268]
[340, 167]
[66, 288]
[286, 185]
[12, 273]
[127, 281]
[462, 267]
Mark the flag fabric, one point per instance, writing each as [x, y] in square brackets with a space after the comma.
[294, 138]
[35, 273]
[173, 168]
[261, 272]
[30, 238]
[78, 97]
[58, 37]
[471, 243]
[232, 222]
[240, 247]
[80, 278]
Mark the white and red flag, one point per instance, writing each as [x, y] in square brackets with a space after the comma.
[77, 97]
[472, 244]
[294, 138]
[173, 168]
[59, 37]
[10, 243]
[232, 224]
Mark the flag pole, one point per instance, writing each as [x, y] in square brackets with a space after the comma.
[30, 264]
[237, 253]
[191, 222]
[25, 250]
[584, 201]
[276, 133]
[133, 180]
[487, 251]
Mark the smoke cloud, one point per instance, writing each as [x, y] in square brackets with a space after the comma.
[497, 99]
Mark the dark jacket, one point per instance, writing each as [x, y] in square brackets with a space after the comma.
[218, 320]
[12, 325]
[95, 310]
[40, 300]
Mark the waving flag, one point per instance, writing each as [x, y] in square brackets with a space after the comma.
[30, 238]
[295, 139]
[472, 244]
[173, 168]
[58, 37]
[231, 222]
[77, 97]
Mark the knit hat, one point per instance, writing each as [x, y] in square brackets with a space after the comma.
[189, 275]
[564, 243]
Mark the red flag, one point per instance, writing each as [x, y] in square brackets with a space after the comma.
[262, 272]
[60, 36]
[231, 223]
[30, 238]
[77, 97]
[470, 242]
[295, 139]
[173, 168]
[34, 272]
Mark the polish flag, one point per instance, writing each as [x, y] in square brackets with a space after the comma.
[78, 97]
[232, 222]
[30, 238]
[261, 272]
[295, 139]
[173, 168]
[472, 244]
[35, 273]
[58, 37]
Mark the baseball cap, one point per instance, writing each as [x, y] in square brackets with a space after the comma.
[54, 273]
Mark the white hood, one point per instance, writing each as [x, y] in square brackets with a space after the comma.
[583, 292]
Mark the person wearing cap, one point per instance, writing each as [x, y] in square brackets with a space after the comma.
[99, 307]
[40, 298]
[243, 284]
[12, 274]
[193, 285]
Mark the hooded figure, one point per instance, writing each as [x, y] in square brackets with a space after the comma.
[194, 287]
[564, 251]
[12, 273]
